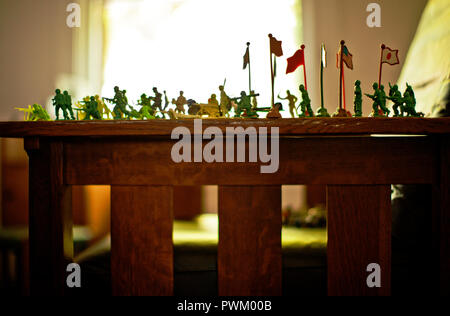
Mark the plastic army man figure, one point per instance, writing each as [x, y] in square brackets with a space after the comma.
[292, 100]
[358, 99]
[305, 104]
[68, 104]
[225, 101]
[180, 102]
[254, 100]
[102, 108]
[59, 103]
[213, 100]
[90, 109]
[396, 97]
[157, 100]
[410, 102]
[377, 98]
[35, 113]
[120, 102]
[383, 101]
[245, 106]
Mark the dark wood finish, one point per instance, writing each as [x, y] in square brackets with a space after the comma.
[307, 126]
[249, 253]
[141, 240]
[187, 202]
[341, 160]
[359, 233]
[444, 184]
[316, 195]
[50, 219]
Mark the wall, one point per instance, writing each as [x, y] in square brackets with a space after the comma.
[330, 21]
[36, 47]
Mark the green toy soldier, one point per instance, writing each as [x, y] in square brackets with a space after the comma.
[377, 100]
[146, 110]
[410, 102]
[396, 97]
[35, 113]
[120, 102]
[68, 104]
[305, 104]
[383, 101]
[245, 105]
[358, 99]
[59, 103]
[292, 100]
[91, 109]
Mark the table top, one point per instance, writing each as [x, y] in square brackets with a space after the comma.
[287, 127]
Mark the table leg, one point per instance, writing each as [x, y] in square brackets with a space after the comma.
[359, 233]
[50, 220]
[249, 254]
[141, 240]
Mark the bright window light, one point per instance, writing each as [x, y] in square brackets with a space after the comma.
[194, 45]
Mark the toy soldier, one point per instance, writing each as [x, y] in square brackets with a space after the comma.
[90, 109]
[157, 100]
[254, 101]
[58, 102]
[306, 103]
[120, 102]
[68, 105]
[180, 102]
[396, 97]
[292, 100]
[358, 99]
[376, 97]
[213, 100]
[35, 113]
[410, 102]
[274, 112]
[102, 108]
[225, 102]
[383, 101]
[245, 105]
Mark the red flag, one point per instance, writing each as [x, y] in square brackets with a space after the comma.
[389, 56]
[297, 60]
[275, 46]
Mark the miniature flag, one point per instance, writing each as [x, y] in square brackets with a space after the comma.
[246, 57]
[298, 59]
[275, 47]
[389, 56]
[324, 56]
[346, 58]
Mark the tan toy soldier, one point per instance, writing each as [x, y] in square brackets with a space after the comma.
[225, 102]
[180, 102]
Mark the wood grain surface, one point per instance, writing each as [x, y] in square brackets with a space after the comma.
[304, 126]
[249, 253]
[141, 240]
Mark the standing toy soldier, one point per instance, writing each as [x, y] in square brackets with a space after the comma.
[180, 102]
[358, 99]
[146, 110]
[225, 102]
[68, 105]
[396, 97]
[305, 104]
[292, 100]
[157, 100]
[58, 102]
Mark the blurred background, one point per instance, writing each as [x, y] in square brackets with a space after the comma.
[189, 45]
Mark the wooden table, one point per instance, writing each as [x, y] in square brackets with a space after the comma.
[134, 158]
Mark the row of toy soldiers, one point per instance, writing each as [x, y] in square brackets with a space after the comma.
[406, 103]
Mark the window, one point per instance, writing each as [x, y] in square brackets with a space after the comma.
[194, 45]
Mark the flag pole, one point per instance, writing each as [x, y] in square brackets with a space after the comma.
[304, 67]
[341, 74]
[321, 75]
[271, 71]
[343, 88]
[381, 64]
[249, 71]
